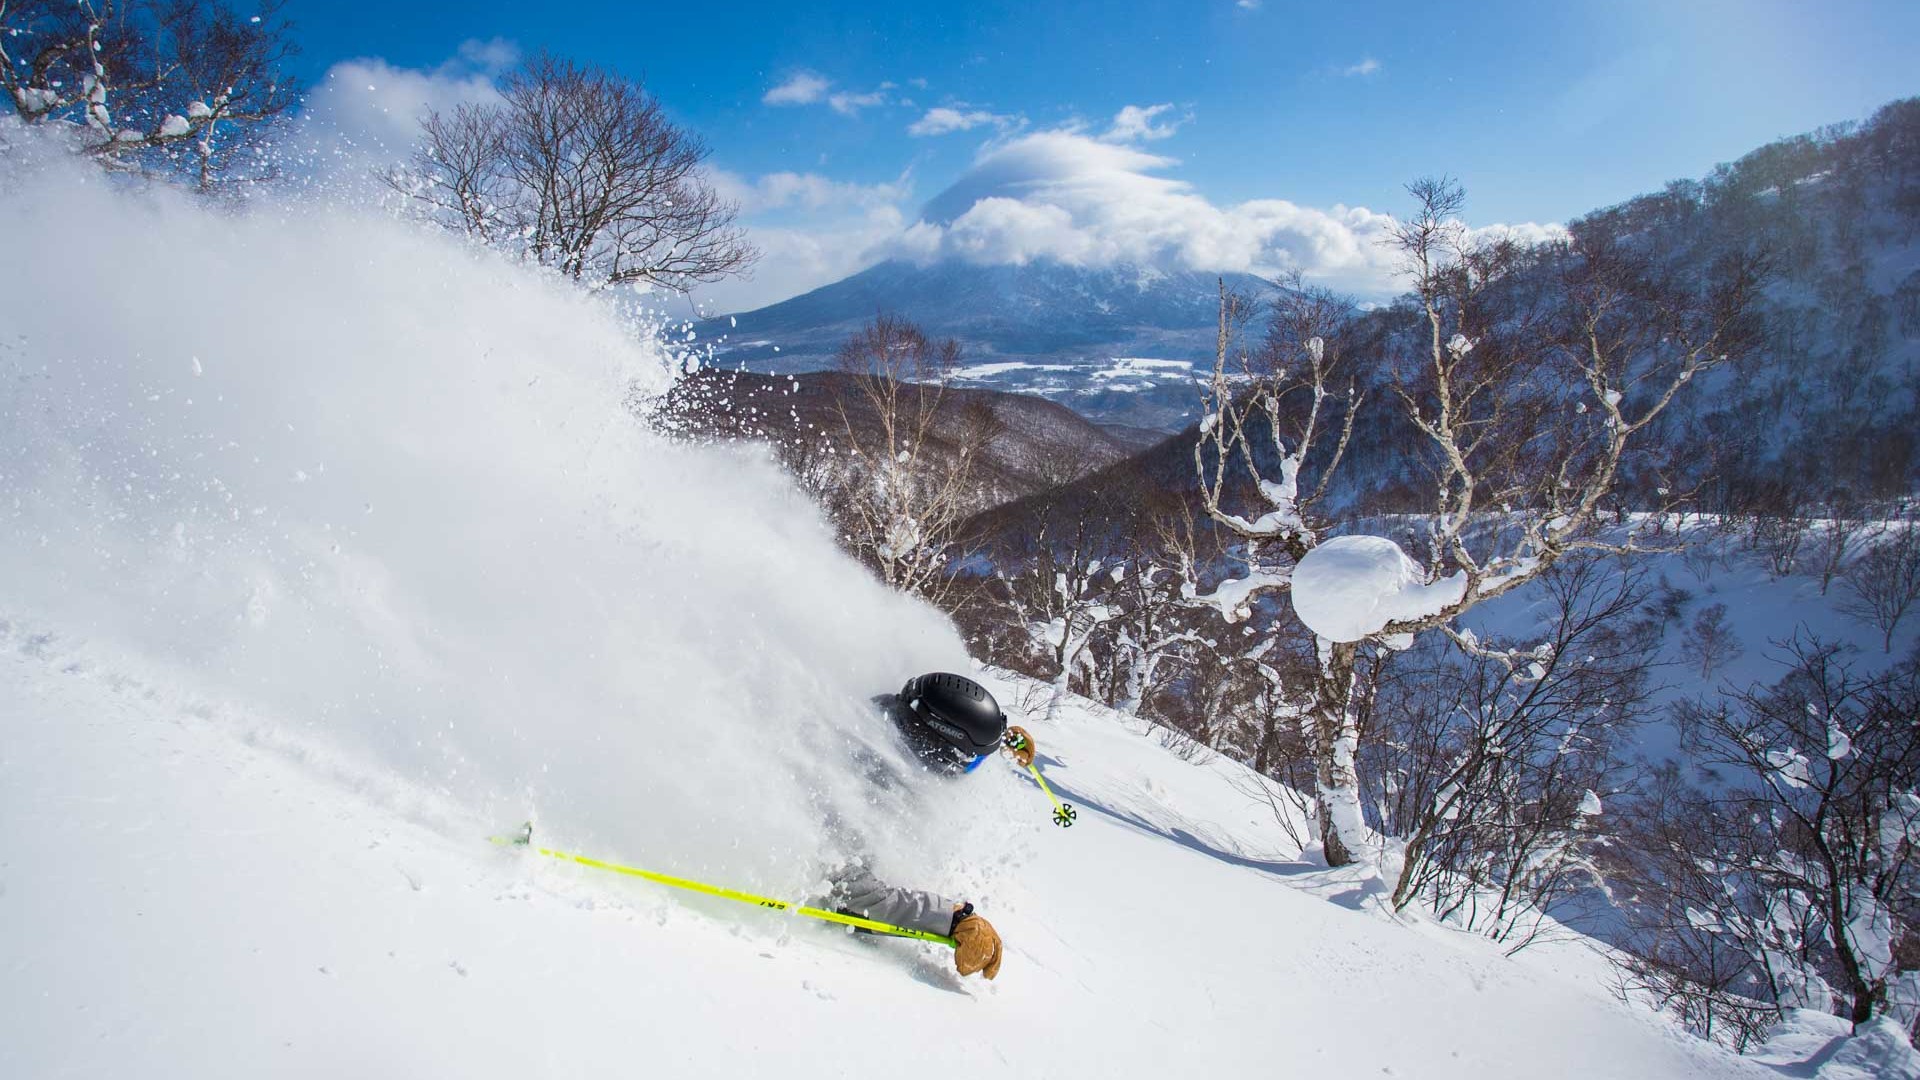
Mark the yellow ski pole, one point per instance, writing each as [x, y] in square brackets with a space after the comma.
[525, 839]
[1063, 813]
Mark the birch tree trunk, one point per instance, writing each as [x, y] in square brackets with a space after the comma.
[1336, 733]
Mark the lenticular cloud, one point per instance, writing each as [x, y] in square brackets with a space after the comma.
[1084, 201]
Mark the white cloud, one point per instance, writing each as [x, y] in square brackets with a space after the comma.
[795, 259]
[809, 88]
[1362, 69]
[1003, 230]
[800, 88]
[492, 56]
[847, 103]
[811, 230]
[1247, 5]
[1082, 201]
[1135, 123]
[942, 120]
[1061, 195]
[366, 113]
[807, 191]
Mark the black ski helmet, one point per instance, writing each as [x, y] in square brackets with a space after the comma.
[957, 710]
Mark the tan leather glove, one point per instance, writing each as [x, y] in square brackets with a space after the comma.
[1020, 745]
[978, 947]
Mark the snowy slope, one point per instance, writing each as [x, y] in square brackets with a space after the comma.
[185, 902]
[1763, 612]
[327, 549]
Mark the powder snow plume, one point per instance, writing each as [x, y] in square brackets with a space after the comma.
[326, 467]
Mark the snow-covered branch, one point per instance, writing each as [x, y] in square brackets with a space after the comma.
[189, 89]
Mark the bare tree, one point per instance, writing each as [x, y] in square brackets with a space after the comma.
[1155, 624]
[1884, 583]
[1703, 553]
[185, 88]
[1063, 576]
[1494, 760]
[1710, 642]
[1668, 603]
[1527, 405]
[1215, 681]
[578, 169]
[1779, 533]
[1268, 420]
[1835, 540]
[908, 479]
[737, 407]
[460, 171]
[1691, 933]
[1791, 882]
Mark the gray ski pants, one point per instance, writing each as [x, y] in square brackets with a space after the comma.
[856, 890]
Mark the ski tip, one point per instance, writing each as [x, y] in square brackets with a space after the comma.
[520, 838]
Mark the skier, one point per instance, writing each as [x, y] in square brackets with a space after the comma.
[950, 724]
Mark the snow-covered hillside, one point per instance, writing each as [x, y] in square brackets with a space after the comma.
[1715, 571]
[191, 894]
[328, 549]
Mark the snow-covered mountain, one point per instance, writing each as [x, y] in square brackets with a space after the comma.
[1115, 344]
[1835, 211]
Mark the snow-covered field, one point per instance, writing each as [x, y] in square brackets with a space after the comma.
[328, 549]
[974, 373]
[1078, 381]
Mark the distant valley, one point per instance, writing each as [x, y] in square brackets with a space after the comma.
[1117, 345]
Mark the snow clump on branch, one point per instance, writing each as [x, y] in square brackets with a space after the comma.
[1351, 587]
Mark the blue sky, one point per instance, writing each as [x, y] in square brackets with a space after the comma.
[1212, 131]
